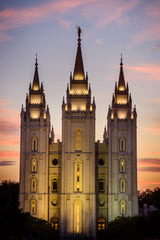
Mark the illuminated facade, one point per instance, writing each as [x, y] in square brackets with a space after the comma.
[78, 185]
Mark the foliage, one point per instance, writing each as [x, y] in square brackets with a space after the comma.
[137, 227]
[22, 226]
[149, 197]
[17, 225]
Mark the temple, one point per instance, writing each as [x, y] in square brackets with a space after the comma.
[78, 184]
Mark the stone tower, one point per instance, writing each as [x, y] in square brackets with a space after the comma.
[78, 198]
[122, 152]
[35, 128]
[78, 185]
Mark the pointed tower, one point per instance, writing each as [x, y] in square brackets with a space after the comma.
[35, 127]
[122, 152]
[78, 198]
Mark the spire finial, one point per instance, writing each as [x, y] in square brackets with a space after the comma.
[36, 64]
[79, 33]
[121, 63]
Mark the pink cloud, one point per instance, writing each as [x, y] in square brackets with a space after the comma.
[151, 31]
[4, 102]
[154, 10]
[99, 12]
[153, 69]
[154, 100]
[14, 18]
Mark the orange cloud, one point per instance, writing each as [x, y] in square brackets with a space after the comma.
[153, 69]
[12, 141]
[154, 130]
[9, 125]
[143, 185]
[8, 154]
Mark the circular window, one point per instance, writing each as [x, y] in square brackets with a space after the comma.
[55, 161]
[101, 161]
[101, 202]
[54, 202]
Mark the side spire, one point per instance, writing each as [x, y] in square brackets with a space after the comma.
[78, 68]
[121, 82]
[36, 85]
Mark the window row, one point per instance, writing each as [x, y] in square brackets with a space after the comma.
[34, 164]
[122, 185]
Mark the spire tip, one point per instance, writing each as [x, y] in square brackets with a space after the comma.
[79, 33]
[121, 63]
[36, 63]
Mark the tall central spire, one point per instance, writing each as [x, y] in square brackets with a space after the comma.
[121, 83]
[78, 68]
[36, 85]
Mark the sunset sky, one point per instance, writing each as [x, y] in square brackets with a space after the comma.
[109, 28]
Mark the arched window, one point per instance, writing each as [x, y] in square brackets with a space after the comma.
[78, 175]
[78, 139]
[122, 168]
[101, 184]
[34, 144]
[54, 185]
[54, 223]
[123, 207]
[122, 144]
[33, 207]
[101, 224]
[34, 165]
[122, 185]
[33, 185]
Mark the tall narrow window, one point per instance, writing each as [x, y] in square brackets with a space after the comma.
[122, 185]
[78, 176]
[101, 184]
[34, 144]
[123, 207]
[33, 207]
[122, 144]
[33, 185]
[78, 139]
[54, 185]
[34, 165]
[122, 166]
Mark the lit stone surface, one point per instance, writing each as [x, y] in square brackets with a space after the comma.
[78, 185]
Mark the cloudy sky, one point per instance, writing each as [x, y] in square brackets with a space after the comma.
[109, 28]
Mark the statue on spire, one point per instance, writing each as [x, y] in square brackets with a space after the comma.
[79, 33]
